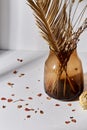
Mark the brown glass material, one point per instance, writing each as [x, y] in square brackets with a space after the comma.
[60, 84]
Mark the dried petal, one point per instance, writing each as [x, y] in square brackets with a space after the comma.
[41, 112]
[28, 116]
[57, 105]
[39, 95]
[3, 106]
[9, 100]
[3, 98]
[73, 120]
[15, 72]
[30, 98]
[69, 104]
[19, 106]
[67, 122]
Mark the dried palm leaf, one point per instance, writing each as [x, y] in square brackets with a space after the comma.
[54, 19]
[41, 9]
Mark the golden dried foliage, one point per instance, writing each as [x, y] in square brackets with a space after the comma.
[54, 19]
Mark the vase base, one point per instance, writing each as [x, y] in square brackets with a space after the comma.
[75, 98]
[67, 95]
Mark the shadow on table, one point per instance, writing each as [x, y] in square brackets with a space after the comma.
[14, 65]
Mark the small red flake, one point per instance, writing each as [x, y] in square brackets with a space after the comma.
[19, 106]
[38, 80]
[48, 98]
[41, 112]
[71, 117]
[3, 98]
[27, 109]
[20, 60]
[3, 106]
[26, 104]
[10, 84]
[30, 98]
[73, 110]
[35, 111]
[69, 104]
[57, 104]
[73, 120]
[12, 94]
[67, 122]
[39, 95]
[28, 116]
[15, 72]
[27, 87]
[10, 100]
[21, 75]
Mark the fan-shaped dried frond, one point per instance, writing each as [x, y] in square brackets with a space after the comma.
[54, 19]
[41, 9]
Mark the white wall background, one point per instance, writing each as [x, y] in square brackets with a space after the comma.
[18, 29]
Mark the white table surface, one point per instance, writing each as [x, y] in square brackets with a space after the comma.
[22, 89]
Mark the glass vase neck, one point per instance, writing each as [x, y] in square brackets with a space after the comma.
[74, 53]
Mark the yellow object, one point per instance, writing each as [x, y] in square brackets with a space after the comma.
[83, 100]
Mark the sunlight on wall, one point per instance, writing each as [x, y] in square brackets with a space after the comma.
[18, 29]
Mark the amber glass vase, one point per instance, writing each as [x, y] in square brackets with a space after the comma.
[60, 84]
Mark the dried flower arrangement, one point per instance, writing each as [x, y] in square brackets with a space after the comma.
[59, 27]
